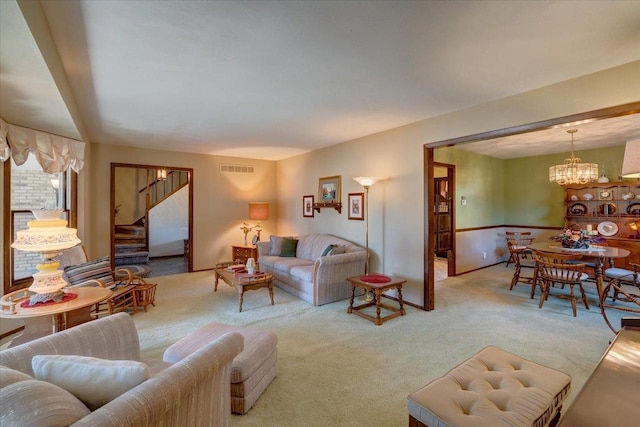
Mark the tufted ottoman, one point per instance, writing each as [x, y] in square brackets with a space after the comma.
[251, 371]
[493, 388]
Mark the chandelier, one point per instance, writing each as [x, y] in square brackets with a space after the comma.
[573, 171]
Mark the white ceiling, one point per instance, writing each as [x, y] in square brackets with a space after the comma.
[273, 79]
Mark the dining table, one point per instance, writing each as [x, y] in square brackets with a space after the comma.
[599, 255]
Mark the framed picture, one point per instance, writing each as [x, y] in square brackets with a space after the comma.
[356, 206]
[307, 206]
[329, 189]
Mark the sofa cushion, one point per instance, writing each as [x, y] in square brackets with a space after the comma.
[94, 381]
[39, 403]
[286, 264]
[276, 245]
[288, 247]
[10, 376]
[99, 269]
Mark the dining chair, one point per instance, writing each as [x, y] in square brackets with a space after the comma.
[552, 268]
[517, 253]
[625, 286]
[522, 239]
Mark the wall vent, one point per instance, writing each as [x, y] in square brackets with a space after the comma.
[225, 167]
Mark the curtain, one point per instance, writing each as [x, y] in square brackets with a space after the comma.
[54, 153]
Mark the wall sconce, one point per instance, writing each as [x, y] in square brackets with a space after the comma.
[161, 174]
[631, 160]
[258, 211]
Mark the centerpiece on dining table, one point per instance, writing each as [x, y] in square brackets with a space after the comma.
[576, 238]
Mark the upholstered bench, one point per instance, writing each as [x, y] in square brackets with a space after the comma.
[251, 371]
[493, 388]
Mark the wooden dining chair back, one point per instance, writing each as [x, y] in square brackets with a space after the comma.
[553, 268]
[519, 241]
[517, 252]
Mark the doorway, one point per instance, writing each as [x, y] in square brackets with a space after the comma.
[152, 218]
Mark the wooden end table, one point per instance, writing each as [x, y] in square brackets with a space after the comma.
[244, 283]
[377, 286]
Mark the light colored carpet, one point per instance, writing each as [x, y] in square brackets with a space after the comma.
[337, 369]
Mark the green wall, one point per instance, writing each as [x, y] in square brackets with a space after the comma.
[480, 179]
[516, 191]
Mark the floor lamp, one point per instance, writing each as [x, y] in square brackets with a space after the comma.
[366, 182]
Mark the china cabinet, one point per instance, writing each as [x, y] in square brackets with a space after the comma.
[607, 208]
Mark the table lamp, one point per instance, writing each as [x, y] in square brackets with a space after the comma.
[49, 235]
[257, 211]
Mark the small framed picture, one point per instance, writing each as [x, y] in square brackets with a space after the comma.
[329, 189]
[356, 206]
[605, 194]
[307, 206]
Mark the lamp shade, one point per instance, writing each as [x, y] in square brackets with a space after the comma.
[366, 181]
[258, 211]
[46, 233]
[631, 161]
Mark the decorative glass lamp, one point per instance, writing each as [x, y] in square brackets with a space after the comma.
[49, 235]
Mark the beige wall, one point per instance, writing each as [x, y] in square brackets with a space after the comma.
[396, 205]
[220, 199]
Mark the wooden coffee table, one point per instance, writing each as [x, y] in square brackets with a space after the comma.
[244, 283]
[377, 284]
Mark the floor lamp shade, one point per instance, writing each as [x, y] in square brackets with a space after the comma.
[631, 161]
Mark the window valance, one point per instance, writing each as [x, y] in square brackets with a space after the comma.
[54, 153]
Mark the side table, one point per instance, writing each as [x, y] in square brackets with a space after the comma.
[243, 253]
[377, 284]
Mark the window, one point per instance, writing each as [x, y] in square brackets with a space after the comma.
[27, 187]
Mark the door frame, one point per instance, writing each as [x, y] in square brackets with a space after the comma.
[113, 204]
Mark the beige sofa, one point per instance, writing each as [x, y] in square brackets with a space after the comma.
[310, 276]
[193, 391]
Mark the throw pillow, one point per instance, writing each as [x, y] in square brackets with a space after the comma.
[338, 249]
[289, 248]
[94, 381]
[38, 403]
[276, 245]
[99, 269]
[10, 376]
[327, 251]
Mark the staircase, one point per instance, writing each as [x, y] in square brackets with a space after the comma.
[131, 241]
[131, 245]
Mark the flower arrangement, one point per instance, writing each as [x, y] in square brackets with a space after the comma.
[576, 238]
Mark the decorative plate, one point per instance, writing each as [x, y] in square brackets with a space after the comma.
[633, 208]
[607, 228]
[588, 196]
[577, 209]
[607, 209]
[628, 196]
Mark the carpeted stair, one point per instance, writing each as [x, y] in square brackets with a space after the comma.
[130, 245]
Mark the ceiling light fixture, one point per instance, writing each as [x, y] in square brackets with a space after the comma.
[573, 171]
